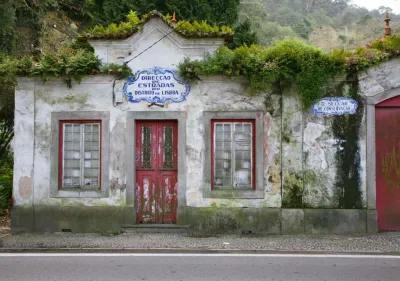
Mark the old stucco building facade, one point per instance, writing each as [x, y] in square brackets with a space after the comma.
[89, 159]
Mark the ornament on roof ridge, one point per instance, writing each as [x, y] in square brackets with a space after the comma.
[173, 18]
[388, 30]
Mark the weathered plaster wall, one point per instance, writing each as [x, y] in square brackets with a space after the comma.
[304, 175]
[23, 188]
[292, 156]
[379, 80]
[316, 151]
[95, 94]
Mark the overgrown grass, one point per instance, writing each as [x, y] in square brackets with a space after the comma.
[5, 192]
[133, 24]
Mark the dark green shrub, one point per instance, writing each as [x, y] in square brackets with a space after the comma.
[6, 180]
[5, 193]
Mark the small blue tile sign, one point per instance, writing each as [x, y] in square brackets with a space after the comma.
[156, 85]
[334, 106]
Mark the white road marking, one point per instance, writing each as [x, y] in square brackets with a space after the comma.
[356, 256]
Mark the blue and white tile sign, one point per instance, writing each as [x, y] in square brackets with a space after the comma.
[156, 85]
[334, 106]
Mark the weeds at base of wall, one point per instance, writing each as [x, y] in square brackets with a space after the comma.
[5, 193]
[112, 232]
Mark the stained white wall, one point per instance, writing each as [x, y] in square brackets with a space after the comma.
[145, 50]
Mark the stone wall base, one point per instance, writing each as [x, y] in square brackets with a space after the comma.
[72, 218]
[203, 220]
[279, 221]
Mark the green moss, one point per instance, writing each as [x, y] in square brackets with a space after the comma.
[80, 218]
[315, 184]
[99, 204]
[71, 203]
[269, 104]
[40, 95]
[346, 128]
[70, 98]
[287, 134]
[292, 190]
[230, 220]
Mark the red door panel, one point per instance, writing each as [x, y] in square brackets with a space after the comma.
[146, 195]
[168, 183]
[387, 127]
[156, 171]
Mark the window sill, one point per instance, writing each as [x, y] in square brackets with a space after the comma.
[234, 194]
[78, 193]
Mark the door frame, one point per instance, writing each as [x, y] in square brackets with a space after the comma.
[130, 149]
[371, 102]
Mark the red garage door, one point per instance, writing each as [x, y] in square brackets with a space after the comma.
[387, 128]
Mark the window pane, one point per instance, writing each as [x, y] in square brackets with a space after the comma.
[72, 155]
[146, 147]
[91, 148]
[242, 146]
[168, 162]
[233, 154]
[223, 154]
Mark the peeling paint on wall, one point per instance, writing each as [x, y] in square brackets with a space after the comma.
[25, 187]
[316, 155]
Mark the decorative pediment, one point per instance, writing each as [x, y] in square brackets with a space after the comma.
[155, 44]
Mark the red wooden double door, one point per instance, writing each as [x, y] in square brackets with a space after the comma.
[156, 171]
[387, 129]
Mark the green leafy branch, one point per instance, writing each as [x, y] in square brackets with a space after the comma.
[70, 64]
[291, 60]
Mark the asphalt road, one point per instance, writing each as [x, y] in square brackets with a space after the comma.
[189, 267]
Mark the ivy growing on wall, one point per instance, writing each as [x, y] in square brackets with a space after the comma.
[347, 129]
[285, 61]
[291, 60]
[72, 63]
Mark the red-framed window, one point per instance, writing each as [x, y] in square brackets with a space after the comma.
[233, 154]
[80, 154]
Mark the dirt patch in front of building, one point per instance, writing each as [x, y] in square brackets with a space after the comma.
[5, 222]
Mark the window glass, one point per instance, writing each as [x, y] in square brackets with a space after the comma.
[81, 155]
[146, 147]
[168, 158]
[232, 154]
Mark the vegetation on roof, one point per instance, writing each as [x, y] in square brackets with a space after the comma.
[291, 60]
[133, 24]
[69, 64]
[286, 61]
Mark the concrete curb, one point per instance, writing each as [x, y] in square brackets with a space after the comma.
[186, 251]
